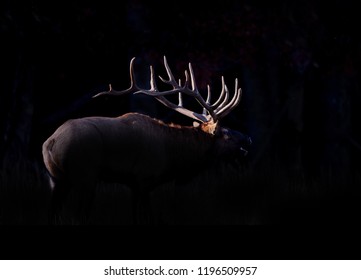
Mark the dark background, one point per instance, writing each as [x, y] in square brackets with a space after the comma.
[298, 63]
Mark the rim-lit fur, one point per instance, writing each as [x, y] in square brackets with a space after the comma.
[132, 149]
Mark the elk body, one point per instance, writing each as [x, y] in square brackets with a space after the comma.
[137, 150]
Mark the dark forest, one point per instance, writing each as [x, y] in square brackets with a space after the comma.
[298, 64]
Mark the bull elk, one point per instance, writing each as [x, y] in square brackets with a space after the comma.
[137, 150]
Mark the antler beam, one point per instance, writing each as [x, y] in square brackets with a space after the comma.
[211, 112]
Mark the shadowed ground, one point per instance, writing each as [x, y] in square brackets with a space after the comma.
[226, 196]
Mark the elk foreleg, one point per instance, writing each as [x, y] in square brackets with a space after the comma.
[59, 194]
[72, 200]
[142, 214]
[83, 199]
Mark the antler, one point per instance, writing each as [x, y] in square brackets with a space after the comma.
[211, 112]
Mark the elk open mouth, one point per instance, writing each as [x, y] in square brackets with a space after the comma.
[247, 143]
[244, 152]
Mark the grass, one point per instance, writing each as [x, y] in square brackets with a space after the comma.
[24, 193]
[227, 195]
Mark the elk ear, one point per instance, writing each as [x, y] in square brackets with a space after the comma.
[210, 127]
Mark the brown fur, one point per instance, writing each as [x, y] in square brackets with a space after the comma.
[132, 149]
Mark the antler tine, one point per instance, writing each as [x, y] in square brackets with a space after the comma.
[133, 86]
[180, 97]
[193, 80]
[153, 84]
[208, 100]
[225, 100]
[171, 80]
[221, 112]
[220, 98]
[186, 83]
